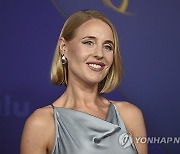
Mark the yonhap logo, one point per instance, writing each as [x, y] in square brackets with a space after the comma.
[125, 140]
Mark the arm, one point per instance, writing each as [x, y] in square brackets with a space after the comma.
[134, 121]
[35, 134]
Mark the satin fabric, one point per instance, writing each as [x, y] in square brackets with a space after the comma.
[82, 133]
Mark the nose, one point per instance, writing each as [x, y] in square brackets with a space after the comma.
[98, 53]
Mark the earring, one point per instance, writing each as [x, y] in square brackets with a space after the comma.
[63, 59]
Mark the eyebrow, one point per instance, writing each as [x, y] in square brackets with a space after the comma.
[93, 37]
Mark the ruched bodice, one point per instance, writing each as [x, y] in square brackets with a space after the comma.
[82, 133]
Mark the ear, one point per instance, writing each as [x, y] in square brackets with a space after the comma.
[62, 46]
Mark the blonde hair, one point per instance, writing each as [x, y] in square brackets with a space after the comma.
[59, 72]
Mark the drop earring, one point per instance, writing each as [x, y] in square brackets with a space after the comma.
[63, 59]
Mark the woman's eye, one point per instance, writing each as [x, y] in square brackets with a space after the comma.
[108, 47]
[88, 42]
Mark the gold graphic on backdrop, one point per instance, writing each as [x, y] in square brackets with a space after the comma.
[121, 9]
[54, 2]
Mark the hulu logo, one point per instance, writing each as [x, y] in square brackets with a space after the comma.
[9, 108]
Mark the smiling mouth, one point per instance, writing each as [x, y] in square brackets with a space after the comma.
[96, 67]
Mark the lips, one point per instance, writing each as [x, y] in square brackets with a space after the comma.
[96, 65]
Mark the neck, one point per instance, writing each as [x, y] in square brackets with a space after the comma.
[81, 96]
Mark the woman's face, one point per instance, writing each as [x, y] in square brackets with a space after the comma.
[90, 52]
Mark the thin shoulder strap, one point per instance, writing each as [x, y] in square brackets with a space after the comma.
[52, 106]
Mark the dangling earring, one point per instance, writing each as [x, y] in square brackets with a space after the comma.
[63, 59]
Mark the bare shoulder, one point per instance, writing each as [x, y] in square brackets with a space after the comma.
[131, 115]
[130, 109]
[38, 130]
[40, 117]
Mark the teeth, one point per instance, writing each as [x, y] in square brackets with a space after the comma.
[95, 66]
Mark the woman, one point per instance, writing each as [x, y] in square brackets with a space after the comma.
[81, 121]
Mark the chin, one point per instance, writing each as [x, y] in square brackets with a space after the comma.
[94, 81]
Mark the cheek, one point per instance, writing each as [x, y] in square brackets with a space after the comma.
[109, 58]
[75, 54]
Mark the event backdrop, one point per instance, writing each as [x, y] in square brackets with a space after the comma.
[149, 38]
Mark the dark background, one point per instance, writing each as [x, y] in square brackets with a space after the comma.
[150, 47]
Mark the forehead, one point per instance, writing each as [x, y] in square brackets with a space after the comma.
[95, 27]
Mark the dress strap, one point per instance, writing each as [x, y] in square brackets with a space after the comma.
[52, 106]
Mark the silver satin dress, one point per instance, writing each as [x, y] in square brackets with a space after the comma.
[82, 133]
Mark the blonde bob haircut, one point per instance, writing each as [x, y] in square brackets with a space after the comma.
[59, 72]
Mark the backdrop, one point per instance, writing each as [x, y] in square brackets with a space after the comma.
[149, 38]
